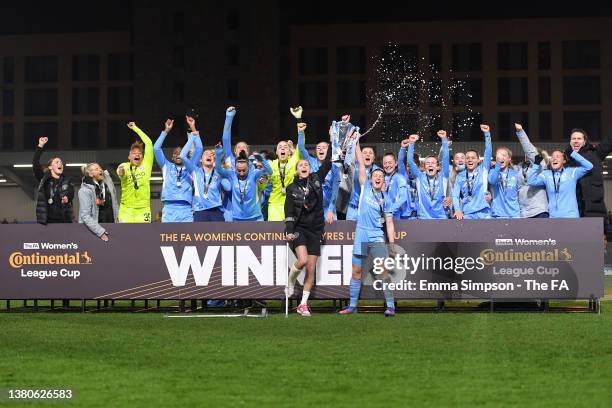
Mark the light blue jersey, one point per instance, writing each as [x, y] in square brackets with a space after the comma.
[471, 186]
[560, 186]
[177, 183]
[431, 191]
[397, 190]
[410, 208]
[505, 186]
[245, 202]
[373, 208]
[206, 185]
[353, 207]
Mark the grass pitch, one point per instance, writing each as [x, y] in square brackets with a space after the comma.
[414, 359]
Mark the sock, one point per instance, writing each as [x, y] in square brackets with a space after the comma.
[305, 295]
[354, 289]
[389, 300]
[293, 275]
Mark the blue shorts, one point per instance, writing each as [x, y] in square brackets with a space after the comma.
[210, 215]
[483, 214]
[177, 211]
[365, 237]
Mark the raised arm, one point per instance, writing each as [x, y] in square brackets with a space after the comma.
[401, 158]
[488, 147]
[147, 160]
[585, 165]
[38, 172]
[534, 175]
[267, 168]
[227, 133]
[189, 164]
[197, 153]
[361, 165]
[302, 145]
[605, 147]
[218, 166]
[528, 148]
[414, 169]
[157, 147]
[445, 154]
[494, 174]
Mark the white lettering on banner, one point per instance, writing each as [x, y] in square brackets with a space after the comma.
[327, 263]
[227, 266]
[246, 260]
[190, 260]
[238, 262]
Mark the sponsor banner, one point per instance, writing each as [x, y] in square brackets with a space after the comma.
[442, 259]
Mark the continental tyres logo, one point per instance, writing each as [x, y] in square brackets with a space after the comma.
[18, 259]
[490, 256]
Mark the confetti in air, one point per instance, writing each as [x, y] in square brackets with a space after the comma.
[410, 96]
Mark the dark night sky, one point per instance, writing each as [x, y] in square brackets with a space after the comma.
[29, 16]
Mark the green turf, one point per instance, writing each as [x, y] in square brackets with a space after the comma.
[415, 359]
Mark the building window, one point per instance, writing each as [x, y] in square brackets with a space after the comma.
[8, 102]
[435, 57]
[35, 130]
[178, 22]
[178, 57]
[85, 134]
[350, 60]
[581, 90]
[544, 91]
[506, 121]
[467, 57]
[120, 99]
[233, 55]
[40, 102]
[589, 121]
[313, 61]
[401, 59]
[8, 138]
[466, 126]
[85, 67]
[120, 67]
[41, 69]
[544, 55]
[233, 19]
[432, 125]
[8, 65]
[313, 95]
[178, 91]
[118, 134]
[318, 129]
[435, 92]
[581, 54]
[512, 91]
[545, 126]
[467, 92]
[233, 89]
[85, 101]
[351, 94]
[393, 125]
[512, 56]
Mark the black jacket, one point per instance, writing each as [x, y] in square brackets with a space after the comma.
[590, 189]
[304, 202]
[56, 212]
